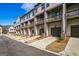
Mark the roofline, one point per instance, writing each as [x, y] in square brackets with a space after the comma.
[30, 10]
[27, 13]
[37, 4]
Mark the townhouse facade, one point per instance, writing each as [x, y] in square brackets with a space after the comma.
[11, 30]
[0, 30]
[56, 19]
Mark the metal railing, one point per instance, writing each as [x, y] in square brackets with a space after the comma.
[41, 21]
[72, 13]
[26, 25]
[54, 18]
[69, 14]
[31, 24]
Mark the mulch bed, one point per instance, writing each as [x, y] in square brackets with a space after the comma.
[58, 45]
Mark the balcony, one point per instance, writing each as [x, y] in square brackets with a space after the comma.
[73, 14]
[52, 6]
[39, 10]
[31, 24]
[25, 26]
[38, 22]
[17, 29]
[52, 19]
[22, 26]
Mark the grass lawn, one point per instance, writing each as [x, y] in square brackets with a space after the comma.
[58, 45]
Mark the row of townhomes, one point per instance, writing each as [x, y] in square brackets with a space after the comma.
[50, 19]
[0, 30]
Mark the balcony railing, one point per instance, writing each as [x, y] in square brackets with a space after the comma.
[22, 26]
[72, 14]
[55, 18]
[17, 28]
[31, 24]
[25, 26]
[41, 21]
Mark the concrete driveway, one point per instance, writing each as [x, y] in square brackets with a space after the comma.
[72, 48]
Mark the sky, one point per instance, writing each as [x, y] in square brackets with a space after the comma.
[10, 11]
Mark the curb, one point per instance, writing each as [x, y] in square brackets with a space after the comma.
[58, 54]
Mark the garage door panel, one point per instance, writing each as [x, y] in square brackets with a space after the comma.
[75, 31]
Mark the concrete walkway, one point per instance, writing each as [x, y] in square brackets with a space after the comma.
[30, 38]
[23, 39]
[41, 44]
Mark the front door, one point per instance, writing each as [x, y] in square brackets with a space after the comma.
[41, 31]
[56, 31]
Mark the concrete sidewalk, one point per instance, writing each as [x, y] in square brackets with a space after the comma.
[41, 44]
[30, 38]
[23, 39]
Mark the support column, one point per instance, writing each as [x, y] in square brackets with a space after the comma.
[16, 32]
[29, 32]
[24, 29]
[35, 27]
[19, 30]
[45, 24]
[64, 21]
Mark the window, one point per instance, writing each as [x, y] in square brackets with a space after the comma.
[51, 14]
[29, 15]
[36, 10]
[58, 13]
[33, 13]
[11, 29]
[20, 20]
[42, 6]
[47, 5]
[23, 18]
[25, 23]
[41, 31]
[54, 14]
